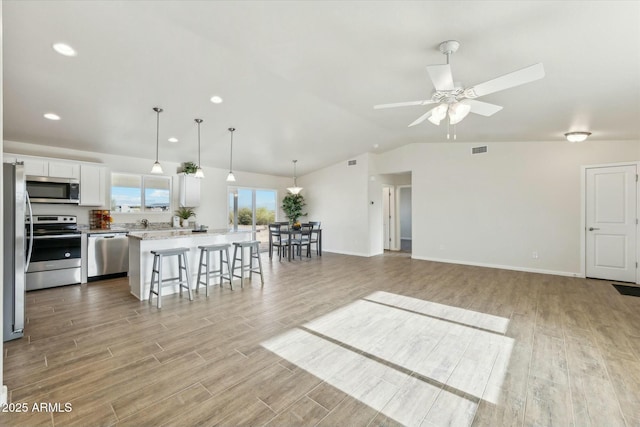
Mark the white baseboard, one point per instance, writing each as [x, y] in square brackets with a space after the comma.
[345, 252]
[502, 267]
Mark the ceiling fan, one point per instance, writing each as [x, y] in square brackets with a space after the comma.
[457, 102]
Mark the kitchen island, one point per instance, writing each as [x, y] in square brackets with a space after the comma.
[141, 243]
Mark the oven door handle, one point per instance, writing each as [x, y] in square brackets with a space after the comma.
[26, 266]
[63, 236]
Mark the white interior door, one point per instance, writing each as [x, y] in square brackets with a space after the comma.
[386, 217]
[611, 223]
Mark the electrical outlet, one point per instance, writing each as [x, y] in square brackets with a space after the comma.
[534, 254]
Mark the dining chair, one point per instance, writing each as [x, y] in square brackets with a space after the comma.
[313, 236]
[276, 239]
[304, 239]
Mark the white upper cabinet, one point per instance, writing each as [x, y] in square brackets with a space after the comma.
[93, 184]
[37, 167]
[44, 167]
[64, 170]
[189, 190]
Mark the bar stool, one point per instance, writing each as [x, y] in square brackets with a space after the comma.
[156, 273]
[206, 262]
[254, 252]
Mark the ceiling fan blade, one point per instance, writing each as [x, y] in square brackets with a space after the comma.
[422, 118]
[403, 104]
[516, 78]
[441, 76]
[482, 108]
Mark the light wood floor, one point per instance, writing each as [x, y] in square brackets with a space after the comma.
[333, 341]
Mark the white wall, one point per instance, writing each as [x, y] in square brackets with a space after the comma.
[212, 210]
[339, 197]
[495, 209]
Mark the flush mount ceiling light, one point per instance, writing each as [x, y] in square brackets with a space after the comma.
[576, 136]
[295, 189]
[51, 116]
[172, 139]
[64, 49]
[156, 166]
[230, 177]
[216, 99]
[199, 172]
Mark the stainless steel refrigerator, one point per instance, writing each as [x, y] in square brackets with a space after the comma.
[15, 257]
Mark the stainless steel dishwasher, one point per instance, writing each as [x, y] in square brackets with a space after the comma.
[108, 255]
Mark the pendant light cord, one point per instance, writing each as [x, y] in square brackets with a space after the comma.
[231, 155]
[198, 121]
[158, 110]
[294, 173]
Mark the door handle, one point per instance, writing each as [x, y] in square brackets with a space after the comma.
[592, 228]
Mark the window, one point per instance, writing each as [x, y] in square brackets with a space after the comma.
[253, 209]
[140, 193]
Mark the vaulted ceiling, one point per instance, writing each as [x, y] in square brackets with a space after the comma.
[299, 79]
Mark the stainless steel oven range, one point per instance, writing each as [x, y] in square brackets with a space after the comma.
[55, 254]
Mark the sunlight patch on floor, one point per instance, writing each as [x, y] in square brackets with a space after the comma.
[414, 368]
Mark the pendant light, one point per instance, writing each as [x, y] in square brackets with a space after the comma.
[295, 189]
[199, 172]
[156, 166]
[230, 177]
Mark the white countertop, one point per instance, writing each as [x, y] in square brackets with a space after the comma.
[173, 234]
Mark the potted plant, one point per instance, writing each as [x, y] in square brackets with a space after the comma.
[292, 205]
[185, 213]
[189, 168]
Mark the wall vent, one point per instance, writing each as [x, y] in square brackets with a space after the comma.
[351, 162]
[479, 150]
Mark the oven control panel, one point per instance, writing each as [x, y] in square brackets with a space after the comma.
[53, 219]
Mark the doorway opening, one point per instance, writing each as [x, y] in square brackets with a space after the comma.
[397, 212]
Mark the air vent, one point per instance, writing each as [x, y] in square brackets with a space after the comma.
[479, 150]
[351, 162]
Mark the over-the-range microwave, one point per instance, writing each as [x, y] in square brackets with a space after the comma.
[45, 189]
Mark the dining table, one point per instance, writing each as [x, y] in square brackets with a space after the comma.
[291, 233]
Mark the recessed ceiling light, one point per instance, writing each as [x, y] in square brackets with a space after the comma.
[64, 49]
[51, 116]
[172, 139]
[376, 145]
[216, 99]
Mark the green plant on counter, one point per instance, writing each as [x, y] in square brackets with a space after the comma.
[292, 205]
[185, 212]
[189, 167]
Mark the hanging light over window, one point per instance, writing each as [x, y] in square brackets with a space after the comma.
[199, 172]
[295, 189]
[156, 166]
[230, 177]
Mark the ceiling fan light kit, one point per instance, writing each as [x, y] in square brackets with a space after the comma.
[577, 136]
[457, 102]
